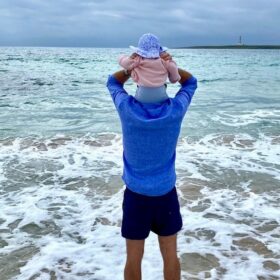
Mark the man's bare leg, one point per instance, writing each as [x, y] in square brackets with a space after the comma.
[134, 255]
[168, 248]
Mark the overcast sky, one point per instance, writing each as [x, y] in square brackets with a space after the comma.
[119, 23]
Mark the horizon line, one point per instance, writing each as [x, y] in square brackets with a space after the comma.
[100, 47]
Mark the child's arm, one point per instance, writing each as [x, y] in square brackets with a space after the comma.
[171, 66]
[129, 62]
[173, 73]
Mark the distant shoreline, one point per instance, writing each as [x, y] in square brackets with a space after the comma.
[271, 47]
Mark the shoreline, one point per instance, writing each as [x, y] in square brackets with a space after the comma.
[237, 47]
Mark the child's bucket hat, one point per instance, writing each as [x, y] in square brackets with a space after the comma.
[149, 46]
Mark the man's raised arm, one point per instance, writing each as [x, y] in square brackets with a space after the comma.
[188, 87]
[115, 85]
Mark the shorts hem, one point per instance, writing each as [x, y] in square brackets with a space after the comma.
[168, 233]
[135, 237]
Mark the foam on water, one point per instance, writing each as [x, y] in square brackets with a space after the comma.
[61, 161]
[61, 208]
[250, 117]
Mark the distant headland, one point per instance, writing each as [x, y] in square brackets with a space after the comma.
[239, 45]
[271, 47]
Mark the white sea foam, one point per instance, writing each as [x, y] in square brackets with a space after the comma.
[239, 153]
[61, 197]
[245, 118]
[63, 205]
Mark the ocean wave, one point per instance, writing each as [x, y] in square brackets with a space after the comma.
[66, 192]
[247, 117]
[235, 155]
[13, 58]
[212, 80]
[240, 152]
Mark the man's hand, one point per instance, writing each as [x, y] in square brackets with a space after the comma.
[185, 75]
[122, 76]
[165, 56]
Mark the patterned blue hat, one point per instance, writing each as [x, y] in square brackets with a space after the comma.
[149, 46]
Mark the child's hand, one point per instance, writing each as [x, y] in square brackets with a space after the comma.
[165, 56]
[134, 55]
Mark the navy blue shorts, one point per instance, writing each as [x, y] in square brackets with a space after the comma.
[141, 213]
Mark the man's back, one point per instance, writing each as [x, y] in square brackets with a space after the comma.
[150, 134]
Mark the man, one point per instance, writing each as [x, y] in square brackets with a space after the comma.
[150, 134]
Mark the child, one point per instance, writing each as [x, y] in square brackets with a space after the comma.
[148, 70]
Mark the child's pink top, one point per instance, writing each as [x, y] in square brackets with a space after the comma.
[150, 72]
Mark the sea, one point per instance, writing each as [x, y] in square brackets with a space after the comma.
[61, 164]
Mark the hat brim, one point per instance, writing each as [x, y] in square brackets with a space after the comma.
[164, 49]
[133, 48]
[140, 52]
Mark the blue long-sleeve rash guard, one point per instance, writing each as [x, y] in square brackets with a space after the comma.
[150, 134]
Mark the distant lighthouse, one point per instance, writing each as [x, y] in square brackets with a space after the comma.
[240, 41]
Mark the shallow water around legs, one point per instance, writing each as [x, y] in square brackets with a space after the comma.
[61, 162]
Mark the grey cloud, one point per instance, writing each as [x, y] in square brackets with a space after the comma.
[120, 23]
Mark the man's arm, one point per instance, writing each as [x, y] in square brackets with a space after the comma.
[188, 85]
[115, 85]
